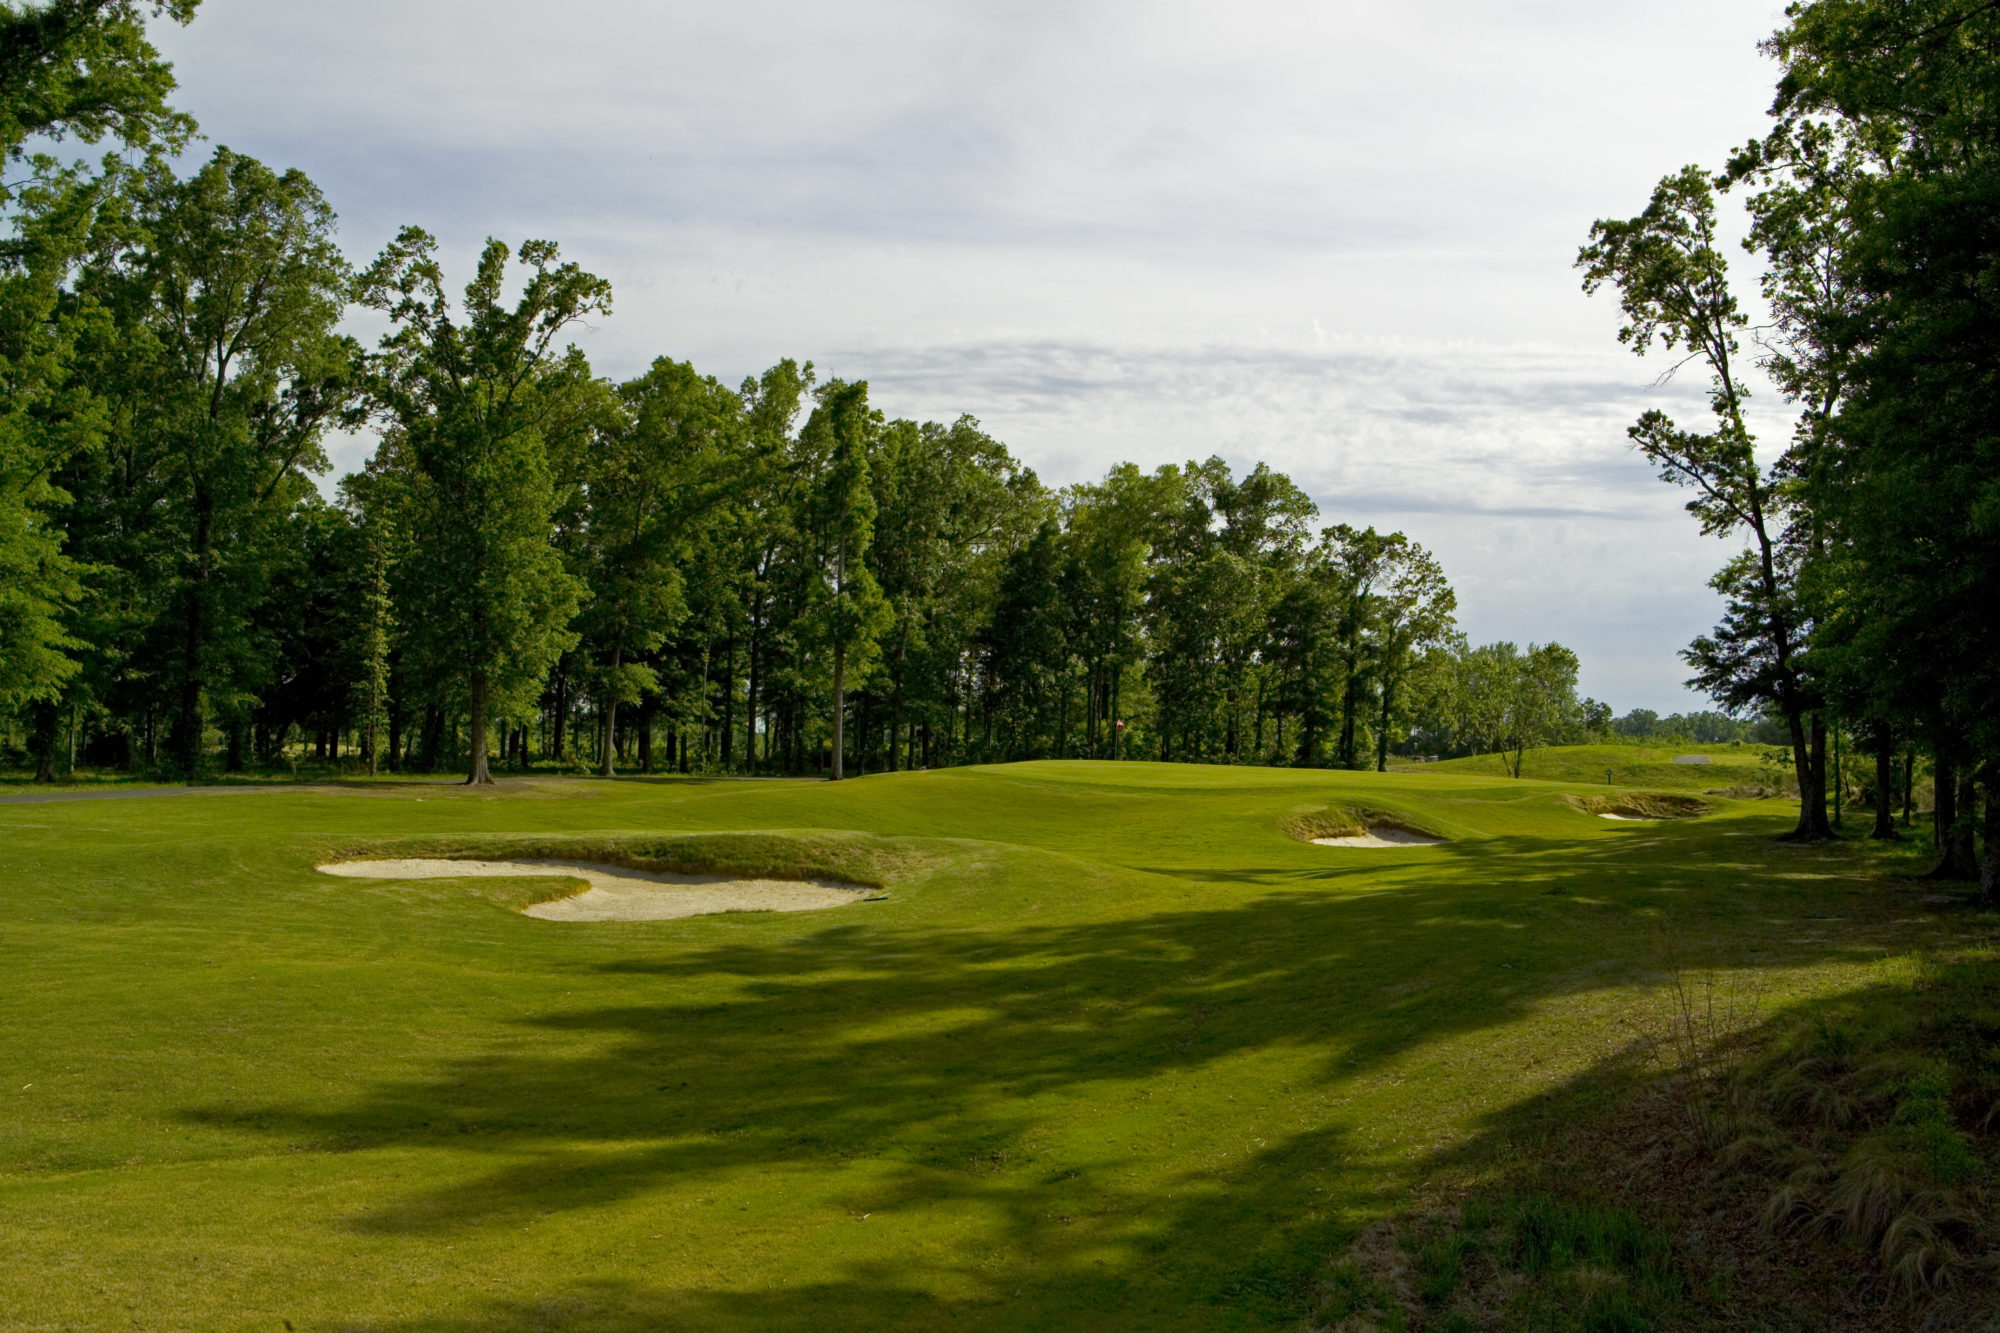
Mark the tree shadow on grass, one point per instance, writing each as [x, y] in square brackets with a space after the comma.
[927, 1052]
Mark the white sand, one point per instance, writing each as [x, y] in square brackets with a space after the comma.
[1383, 836]
[618, 894]
[1637, 819]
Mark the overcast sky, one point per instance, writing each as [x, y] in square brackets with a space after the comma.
[1332, 236]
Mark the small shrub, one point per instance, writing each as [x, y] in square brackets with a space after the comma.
[1534, 1263]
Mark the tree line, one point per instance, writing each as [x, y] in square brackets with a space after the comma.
[1861, 604]
[542, 565]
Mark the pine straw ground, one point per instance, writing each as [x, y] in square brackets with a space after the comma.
[1827, 1171]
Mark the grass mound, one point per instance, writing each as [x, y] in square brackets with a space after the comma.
[1642, 805]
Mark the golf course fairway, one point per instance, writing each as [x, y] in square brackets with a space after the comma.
[1106, 1046]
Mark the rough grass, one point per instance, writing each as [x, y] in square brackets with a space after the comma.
[1115, 1052]
[1536, 1264]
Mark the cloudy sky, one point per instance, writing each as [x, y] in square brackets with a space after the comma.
[1335, 236]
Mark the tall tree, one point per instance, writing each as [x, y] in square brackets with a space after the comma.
[1673, 285]
[1910, 489]
[80, 69]
[847, 612]
[469, 399]
[232, 288]
[651, 480]
[1413, 614]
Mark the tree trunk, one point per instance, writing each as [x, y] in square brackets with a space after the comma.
[1809, 770]
[1989, 865]
[727, 735]
[1382, 731]
[188, 726]
[559, 715]
[839, 706]
[1349, 701]
[896, 697]
[1885, 785]
[1952, 821]
[750, 689]
[476, 774]
[1963, 854]
[48, 721]
[610, 722]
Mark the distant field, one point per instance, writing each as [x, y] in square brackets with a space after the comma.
[1113, 1052]
[1729, 766]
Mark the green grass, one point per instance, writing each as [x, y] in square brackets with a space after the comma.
[1114, 1051]
[1730, 766]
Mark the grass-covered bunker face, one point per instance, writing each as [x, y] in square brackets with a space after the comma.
[1641, 805]
[1356, 826]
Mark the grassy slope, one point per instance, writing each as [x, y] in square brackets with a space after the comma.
[1114, 1053]
[1649, 766]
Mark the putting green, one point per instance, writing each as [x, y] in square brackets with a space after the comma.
[1113, 1051]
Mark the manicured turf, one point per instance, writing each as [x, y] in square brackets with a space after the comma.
[1113, 1053]
[1649, 766]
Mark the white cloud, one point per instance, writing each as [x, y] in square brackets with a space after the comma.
[1336, 237]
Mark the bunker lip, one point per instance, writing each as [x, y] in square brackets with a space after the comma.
[616, 893]
[1382, 835]
[1640, 807]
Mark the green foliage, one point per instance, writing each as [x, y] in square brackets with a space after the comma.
[478, 404]
[86, 68]
[1674, 291]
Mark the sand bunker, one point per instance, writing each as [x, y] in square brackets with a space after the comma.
[1640, 806]
[1384, 835]
[618, 894]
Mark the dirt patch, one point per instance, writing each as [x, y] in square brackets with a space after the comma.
[1640, 805]
[618, 893]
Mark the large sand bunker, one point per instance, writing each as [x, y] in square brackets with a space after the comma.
[1648, 807]
[1354, 826]
[1381, 835]
[618, 894]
